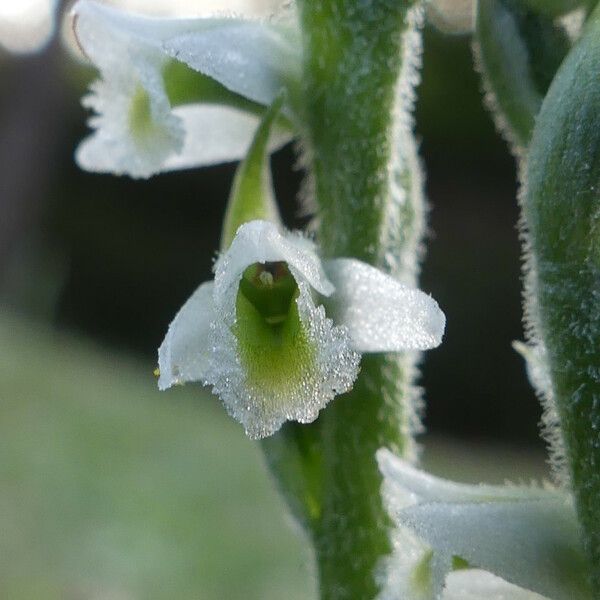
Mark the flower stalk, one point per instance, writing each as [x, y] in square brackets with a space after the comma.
[358, 74]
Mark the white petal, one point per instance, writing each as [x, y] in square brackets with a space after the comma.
[260, 242]
[113, 148]
[381, 313]
[533, 544]
[414, 485]
[217, 134]
[474, 584]
[527, 536]
[185, 352]
[452, 16]
[252, 58]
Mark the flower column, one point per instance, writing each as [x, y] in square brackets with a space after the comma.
[359, 70]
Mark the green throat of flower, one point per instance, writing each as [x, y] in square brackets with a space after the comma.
[272, 340]
[140, 115]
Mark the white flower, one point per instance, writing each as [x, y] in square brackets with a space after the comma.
[260, 336]
[26, 25]
[137, 131]
[451, 16]
[527, 536]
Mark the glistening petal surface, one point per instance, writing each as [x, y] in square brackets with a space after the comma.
[250, 57]
[259, 61]
[185, 352]
[382, 314]
[260, 242]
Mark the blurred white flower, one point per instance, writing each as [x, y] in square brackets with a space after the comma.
[451, 16]
[525, 535]
[26, 25]
[137, 131]
[260, 335]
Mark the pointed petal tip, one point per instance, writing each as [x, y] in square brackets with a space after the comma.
[382, 314]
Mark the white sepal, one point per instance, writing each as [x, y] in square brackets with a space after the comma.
[526, 535]
[185, 352]
[380, 313]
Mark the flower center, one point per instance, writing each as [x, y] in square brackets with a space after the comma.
[270, 288]
[272, 342]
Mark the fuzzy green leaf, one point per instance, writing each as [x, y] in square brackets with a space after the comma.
[562, 216]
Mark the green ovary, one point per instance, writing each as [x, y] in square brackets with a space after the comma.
[272, 341]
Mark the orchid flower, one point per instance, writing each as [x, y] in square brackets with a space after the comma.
[279, 332]
[525, 535]
[179, 92]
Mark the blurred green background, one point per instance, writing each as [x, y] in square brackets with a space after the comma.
[110, 490]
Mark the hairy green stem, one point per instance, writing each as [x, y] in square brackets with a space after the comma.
[561, 206]
[359, 76]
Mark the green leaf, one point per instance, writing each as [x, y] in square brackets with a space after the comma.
[252, 195]
[561, 208]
